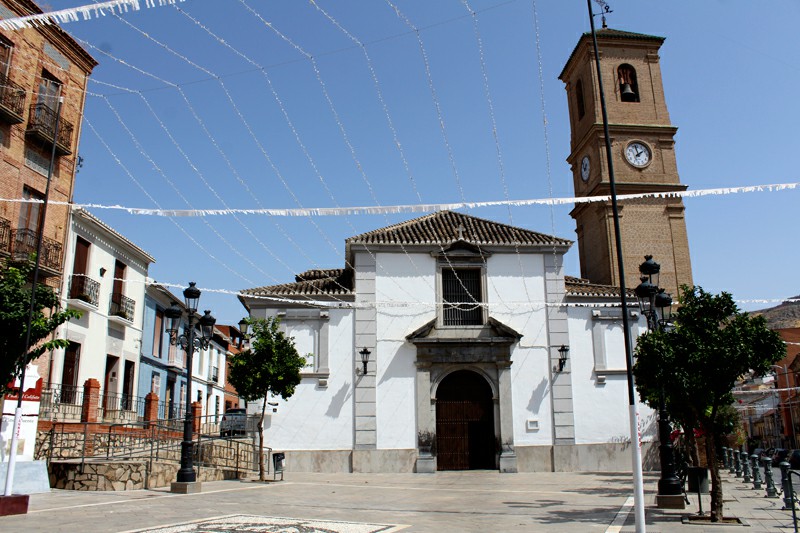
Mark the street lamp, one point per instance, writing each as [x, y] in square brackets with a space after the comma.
[656, 306]
[190, 343]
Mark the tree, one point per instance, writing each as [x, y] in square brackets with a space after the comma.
[271, 365]
[696, 364]
[15, 301]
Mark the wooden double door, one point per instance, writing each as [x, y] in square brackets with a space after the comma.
[465, 429]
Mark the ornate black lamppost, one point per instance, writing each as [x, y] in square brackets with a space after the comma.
[653, 301]
[190, 343]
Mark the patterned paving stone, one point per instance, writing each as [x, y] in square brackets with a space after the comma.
[270, 524]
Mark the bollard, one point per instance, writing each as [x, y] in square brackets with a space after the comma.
[737, 463]
[745, 467]
[772, 492]
[756, 472]
[731, 468]
[724, 457]
[787, 492]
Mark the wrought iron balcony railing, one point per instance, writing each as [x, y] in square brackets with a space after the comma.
[42, 124]
[12, 101]
[82, 287]
[121, 306]
[23, 245]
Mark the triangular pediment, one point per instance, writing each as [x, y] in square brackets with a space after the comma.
[493, 332]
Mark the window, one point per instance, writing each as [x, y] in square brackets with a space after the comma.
[461, 296]
[628, 86]
[155, 382]
[579, 99]
[5, 58]
[158, 333]
[30, 213]
[49, 90]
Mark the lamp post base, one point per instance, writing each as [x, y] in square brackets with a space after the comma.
[186, 487]
[14, 504]
[670, 501]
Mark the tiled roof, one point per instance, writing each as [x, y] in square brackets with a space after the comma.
[610, 34]
[584, 287]
[318, 282]
[446, 227]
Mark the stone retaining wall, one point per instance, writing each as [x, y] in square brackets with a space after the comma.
[124, 475]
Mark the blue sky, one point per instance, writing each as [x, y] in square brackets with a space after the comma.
[730, 72]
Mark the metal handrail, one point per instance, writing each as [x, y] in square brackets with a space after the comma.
[12, 96]
[42, 119]
[793, 498]
[24, 244]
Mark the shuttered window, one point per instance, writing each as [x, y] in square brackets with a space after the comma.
[461, 295]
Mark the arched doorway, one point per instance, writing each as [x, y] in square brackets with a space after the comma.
[465, 435]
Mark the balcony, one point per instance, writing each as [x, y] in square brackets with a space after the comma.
[12, 101]
[174, 357]
[23, 245]
[84, 291]
[121, 307]
[42, 125]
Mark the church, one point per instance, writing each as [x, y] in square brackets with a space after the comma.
[451, 342]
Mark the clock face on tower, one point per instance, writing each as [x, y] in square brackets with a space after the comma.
[585, 168]
[638, 154]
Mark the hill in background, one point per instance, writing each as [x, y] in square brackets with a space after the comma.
[785, 315]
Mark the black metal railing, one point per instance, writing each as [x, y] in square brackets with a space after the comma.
[82, 287]
[23, 245]
[61, 402]
[5, 235]
[42, 123]
[114, 402]
[121, 306]
[12, 100]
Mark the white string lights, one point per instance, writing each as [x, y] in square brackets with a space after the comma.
[229, 208]
[74, 14]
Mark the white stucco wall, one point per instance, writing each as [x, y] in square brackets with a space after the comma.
[315, 417]
[409, 278]
[98, 335]
[601, 410]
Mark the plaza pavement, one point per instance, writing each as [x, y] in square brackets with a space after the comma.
[479, 501]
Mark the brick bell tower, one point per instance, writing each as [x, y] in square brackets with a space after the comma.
[643, 151]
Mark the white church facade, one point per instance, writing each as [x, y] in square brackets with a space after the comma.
[465, 321]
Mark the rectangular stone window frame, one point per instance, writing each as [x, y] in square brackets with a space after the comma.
[458, 264]
[319, 320]
[600, 319]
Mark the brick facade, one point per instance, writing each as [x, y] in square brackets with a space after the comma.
[650, 226]
[45, 52]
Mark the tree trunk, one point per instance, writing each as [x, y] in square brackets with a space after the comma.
[261, 475]
[716, 480]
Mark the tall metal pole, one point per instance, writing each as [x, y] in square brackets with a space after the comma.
[187, 474]
[633, 409]
[12, 456]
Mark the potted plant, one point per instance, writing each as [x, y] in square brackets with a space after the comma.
[426, 441]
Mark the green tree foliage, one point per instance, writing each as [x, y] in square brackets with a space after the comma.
[271, 365]
[15, 301]
[696, 364]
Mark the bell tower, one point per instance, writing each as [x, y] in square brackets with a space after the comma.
[643, 152]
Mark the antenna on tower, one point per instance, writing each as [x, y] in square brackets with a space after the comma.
[605, 9]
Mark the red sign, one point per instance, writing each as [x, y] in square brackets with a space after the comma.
[33, 394]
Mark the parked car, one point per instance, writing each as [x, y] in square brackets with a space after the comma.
[234, 422]
[779, 456]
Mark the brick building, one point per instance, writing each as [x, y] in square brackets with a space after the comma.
[37, 67]
[643, 157]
